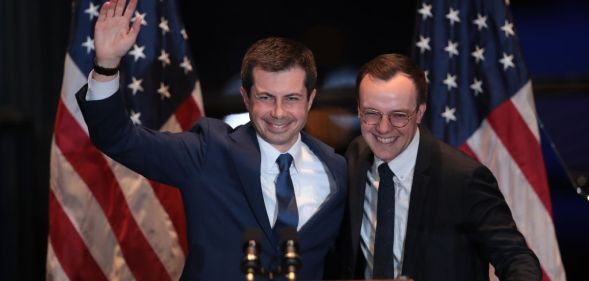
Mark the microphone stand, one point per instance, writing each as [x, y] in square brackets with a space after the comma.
[250, 265]
[290, 260]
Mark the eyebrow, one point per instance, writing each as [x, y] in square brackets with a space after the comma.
[287, 95]
[394, 111]
[295, 94]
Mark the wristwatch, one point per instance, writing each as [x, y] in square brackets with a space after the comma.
[104, 70]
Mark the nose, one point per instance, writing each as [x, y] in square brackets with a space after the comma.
[384, 125]
[278, 110]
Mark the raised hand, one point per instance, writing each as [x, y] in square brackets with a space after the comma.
[112, 36]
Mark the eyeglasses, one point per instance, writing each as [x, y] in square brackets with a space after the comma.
[398, 119]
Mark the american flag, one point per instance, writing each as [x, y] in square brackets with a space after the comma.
[481, 102]
[105, 221]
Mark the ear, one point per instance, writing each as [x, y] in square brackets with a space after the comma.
[245, 97]
[420, 112]
[311, 99]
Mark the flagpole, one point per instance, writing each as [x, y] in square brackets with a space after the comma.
[580, 190]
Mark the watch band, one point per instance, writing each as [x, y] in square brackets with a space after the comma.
[104, 70]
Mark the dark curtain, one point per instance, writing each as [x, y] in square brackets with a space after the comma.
[33, 40]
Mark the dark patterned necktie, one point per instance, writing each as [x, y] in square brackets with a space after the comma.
[288, 214]
[385, 225]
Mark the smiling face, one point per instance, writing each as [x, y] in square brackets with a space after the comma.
[278, 105]
[398, 94]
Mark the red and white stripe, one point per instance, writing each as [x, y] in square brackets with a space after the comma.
[508, 142]
[107, 222]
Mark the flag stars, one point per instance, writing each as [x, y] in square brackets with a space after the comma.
[423, 44]
[478, 54]
[450, 81]
[164, 58]
[508, 28]
[425, 11]
[477, 86]
[164, 25]
[89, 44]
[135, 117]
[184, 34]
[449, 114]
[452, 48]
[143, 16]
[137, 52]
[135, 86]
[164, 91]
[426, 74]
[507, 61]
[186, 65]
[92, 11]
[452, 16]
[480, 22]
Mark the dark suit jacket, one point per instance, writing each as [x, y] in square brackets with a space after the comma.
[458, 220]
[217, 169]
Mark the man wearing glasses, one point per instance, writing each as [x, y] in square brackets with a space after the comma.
[418, 207]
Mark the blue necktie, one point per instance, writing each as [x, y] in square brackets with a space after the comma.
[385, 225]
[288, 214]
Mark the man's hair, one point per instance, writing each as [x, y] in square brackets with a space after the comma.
[276, 54]
[386, 66]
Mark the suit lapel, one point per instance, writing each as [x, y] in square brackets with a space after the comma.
[247, 160]
[329, 161]
[421, 178]
[358, 165]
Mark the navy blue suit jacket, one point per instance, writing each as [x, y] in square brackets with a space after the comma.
[217, 170]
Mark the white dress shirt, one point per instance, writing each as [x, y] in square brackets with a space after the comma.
[101, 90]
[403, 167]
[311, 181]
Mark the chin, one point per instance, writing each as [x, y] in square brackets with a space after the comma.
[385, 156]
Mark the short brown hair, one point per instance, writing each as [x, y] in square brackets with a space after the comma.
[276, 54]
[386, 66]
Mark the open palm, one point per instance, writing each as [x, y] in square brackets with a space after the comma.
[112, 35]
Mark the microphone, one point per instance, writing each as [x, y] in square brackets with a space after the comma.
[250, 265]
[291, 261]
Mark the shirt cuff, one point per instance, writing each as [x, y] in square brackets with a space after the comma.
[101, 90]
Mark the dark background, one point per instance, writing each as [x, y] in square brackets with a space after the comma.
[34, 37]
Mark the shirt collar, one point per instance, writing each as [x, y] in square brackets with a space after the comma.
[269, 154]
[404, 163]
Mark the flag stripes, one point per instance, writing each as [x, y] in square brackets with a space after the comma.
[531, 212]
[69, 190]
[187, 113]
[92, 167]
[523, 147]
[74, 258]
